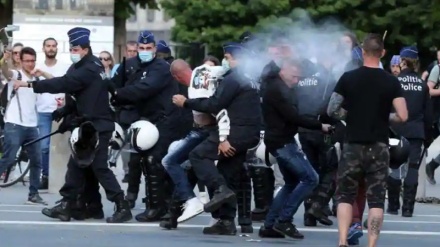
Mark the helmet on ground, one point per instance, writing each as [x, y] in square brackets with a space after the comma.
[143, 135]
[84, 142]
[399, 152]
[118, 138]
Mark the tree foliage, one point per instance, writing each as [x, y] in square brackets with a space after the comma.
[213, 22]
[125, 8]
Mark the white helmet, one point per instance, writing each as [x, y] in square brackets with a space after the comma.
[261, 151]
[118, 138]
[144, 135]
[84, 142]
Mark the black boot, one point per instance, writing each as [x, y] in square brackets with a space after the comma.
[269, 233]
[327, 211]
[409, 199]
[169, 220]
[158, 188]
[316, 211]
[263, 182]
[44, 183]
[131, 198]
[222, 227]
[430, 171]
[122, 213]
[61, 211]
[244, 197]
[94, 211]
[309, 220]
[78, 210]
[394, 186]
[221, 196]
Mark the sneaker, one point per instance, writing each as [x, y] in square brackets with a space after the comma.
[288, 229]
[35, 200]
[204, 197]
[430, 172]
[354, 233]
[191, 209]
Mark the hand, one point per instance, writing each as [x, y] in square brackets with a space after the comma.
[18, 84]
[226, 149]
[326, 128]
[58, 114]
[111, 87]
[37, 72]
[179, 100]
[7, 54]
[60, 102]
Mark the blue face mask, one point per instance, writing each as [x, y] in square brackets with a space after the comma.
[75, 58]
[145, 56]
[225, 65]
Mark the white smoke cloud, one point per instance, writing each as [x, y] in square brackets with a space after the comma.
[317, 42]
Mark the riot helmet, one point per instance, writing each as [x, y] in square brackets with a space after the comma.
[143, 135]
[118, 138]
[399, 151]
[84, 142]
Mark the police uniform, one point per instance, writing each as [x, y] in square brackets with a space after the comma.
[150, 91]
[235, 98]
[86, 82]
[415, 129]
[312, 94]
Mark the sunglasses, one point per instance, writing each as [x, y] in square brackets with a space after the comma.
[16, 52]
[104, 59]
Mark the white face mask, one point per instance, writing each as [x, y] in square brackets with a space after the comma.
[146, 56]
[225, 65]
[75, 57]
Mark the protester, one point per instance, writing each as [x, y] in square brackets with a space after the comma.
[107, 61]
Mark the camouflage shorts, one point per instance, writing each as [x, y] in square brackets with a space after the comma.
[363, 162]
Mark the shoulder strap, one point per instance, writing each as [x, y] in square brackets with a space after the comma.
[19, 76]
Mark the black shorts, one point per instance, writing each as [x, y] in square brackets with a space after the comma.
[363, 162]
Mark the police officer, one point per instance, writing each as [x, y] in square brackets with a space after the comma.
[86, 82]
[232, 103]
[312, 95]
[416, 130]
[150, 89]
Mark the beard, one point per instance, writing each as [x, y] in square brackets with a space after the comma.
[51, 55]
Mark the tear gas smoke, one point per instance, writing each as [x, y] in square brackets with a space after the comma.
[319, 42]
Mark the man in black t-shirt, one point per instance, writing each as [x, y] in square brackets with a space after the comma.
[369, 94]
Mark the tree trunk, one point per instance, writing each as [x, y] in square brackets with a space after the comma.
[5, 14]
[120, 36]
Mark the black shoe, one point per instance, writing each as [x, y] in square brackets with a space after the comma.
[131, 198]
[221, 196]
[259, 214]
[317, 213]
[94, 213]
[269, 233]
[151, 215]
[60, 211]
[392, 211]
[44, 183]
[168, 222]
[430, 171]
[288, 230]
[309, 220]
[122, 213]
[407, 213]
[222, 227]
[247, 229]
[125, 179]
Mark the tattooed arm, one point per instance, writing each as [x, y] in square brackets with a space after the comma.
[334, 108]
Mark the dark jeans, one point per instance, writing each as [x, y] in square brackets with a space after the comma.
[177, 154]
[75, 176]
[14, 138]
[45, 128]
[294, 166]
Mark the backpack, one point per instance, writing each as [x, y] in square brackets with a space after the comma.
[4, 96]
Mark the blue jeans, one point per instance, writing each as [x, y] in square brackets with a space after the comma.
[45, 127]
[295, 168]
[14, 137]
[177, 154]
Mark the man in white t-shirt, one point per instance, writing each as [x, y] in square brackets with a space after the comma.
[21, 122]
[47, 103]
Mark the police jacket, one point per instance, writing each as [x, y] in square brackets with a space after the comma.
[237, 95]
[150, 90]
[416, 94]
[86, 82]
[281, 115]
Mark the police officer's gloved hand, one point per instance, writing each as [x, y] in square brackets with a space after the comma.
[111, 87]
[64, 127]
[114, 101]
[58, 114]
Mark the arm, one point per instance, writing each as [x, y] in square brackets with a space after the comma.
[334, 108]
[221, 99]
[399, 104]
[428, 111]
[223, 124]
[425, 75]
[69, 83]
[47, 75]
[433, 81]
[7, 73]
[156, 79]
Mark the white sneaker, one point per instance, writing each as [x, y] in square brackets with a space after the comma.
[191, 209]
[204, 197]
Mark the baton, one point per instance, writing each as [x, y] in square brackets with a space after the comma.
[40, 138]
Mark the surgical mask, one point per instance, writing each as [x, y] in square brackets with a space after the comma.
[225, 65]
[145, 56]
[75, 57]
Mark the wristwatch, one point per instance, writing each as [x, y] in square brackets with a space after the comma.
[222, 138]
[29, 84]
